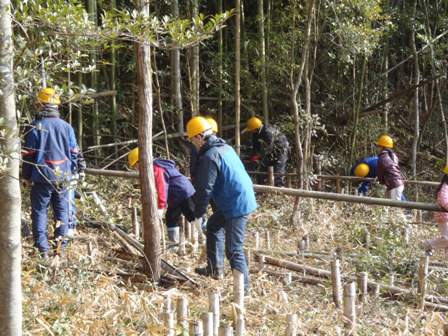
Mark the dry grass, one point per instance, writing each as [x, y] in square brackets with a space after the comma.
[84, 294]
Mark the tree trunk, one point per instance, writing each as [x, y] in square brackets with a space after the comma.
[264, 88]
[237, 75]
[10, 199]
[113, 86]
[176, 77]
[220, 70]
[195, 68]
[416, 99]
[94, 79]
[150, 217]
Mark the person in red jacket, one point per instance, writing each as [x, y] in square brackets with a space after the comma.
[174, 192]
[388, 170]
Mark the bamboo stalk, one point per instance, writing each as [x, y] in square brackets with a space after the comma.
[350, 306]
[168, 318]
[268, 240]
[303, 279]
[297, 267]
[135, 223]
[215, 309]
[240, 329]
[226, 331]
[181, 250]
[292, 325]
[422, 277]
[336, 282]
[257, 240]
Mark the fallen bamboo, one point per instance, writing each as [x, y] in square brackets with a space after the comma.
[303, 193]
[303, 279]
[297, 267]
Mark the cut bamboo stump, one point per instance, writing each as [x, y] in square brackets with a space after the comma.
[422, 277]
[167, 305]
[350, 307]
[213, 306]
[226, 331]
[136, 223]
[240, 327]
[271, 180]
[182, 313]
[188, 231]
[257, 240]
[288, 279]
[196, 328]
[194, 239]
[261, 261]
[268, 240]
[207, 320]
[362, 283]
[336, 282]
[445, 330]
[306, 238]
[292, 325]
[181, 249]
[170, 326]
[238, 289]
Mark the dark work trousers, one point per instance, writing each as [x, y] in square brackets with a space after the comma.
[173, 213]
[279, 168]
[227, 234]
[42, 195]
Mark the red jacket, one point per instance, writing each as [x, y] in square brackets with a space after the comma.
[388, 170]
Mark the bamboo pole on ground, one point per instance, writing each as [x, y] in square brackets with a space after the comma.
[422, 277]
[196, 328]
[182, 313]
[207, 320]
[336, 282]
[292, 325]
[350, 307]
[213, 306]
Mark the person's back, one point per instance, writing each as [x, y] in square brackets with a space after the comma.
[388, 170]
[232, 190]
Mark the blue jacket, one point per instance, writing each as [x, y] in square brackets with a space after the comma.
[50, 153]
[371, 161]
[220, 176]
[179, 188]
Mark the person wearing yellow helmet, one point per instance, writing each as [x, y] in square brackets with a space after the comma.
[365, 167]
[221, 177]
[50, 159]
[213, 124]
[174, 192]
[441, 218]
[270, 147]
[389, 172]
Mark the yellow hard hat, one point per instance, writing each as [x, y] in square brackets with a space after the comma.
[48, 96]
[197, 125]
[212, 123]
[133, 157]
[362, 170]
[385, 141]
[445, 170]
[253, 124]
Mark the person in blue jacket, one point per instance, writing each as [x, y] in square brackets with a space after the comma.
[49, 160]
[221, 177]
[365, 167]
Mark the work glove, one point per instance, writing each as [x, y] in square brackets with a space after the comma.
[255, 158]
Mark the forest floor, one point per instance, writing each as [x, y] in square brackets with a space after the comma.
[93, 290]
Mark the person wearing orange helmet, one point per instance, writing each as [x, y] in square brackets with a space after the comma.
[270, 147]
[441, 218]
[389, 172]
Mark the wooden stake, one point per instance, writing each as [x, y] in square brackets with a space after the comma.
[362, 283]
[422, 277]
[350, 306]
[207, 320]
[336, 282]
[226, 331]
[196, 328]
[271, 179]
[182, 313]
[135, 223]
[292, 321]
[240, 325]
[213, 306]
[238, 290]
